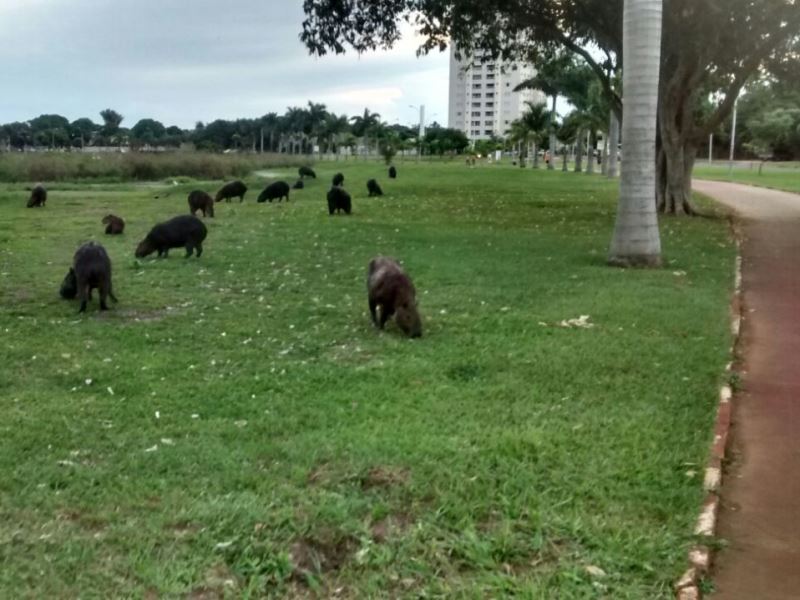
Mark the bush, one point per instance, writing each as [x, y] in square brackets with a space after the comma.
[140, 166]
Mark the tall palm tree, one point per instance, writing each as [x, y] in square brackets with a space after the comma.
[536, 120]
[636, 240]
[268, 126]
[364, 125]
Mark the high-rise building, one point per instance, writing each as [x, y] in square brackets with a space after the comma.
[482, 97]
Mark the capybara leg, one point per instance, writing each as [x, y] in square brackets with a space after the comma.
[189, 249]
[103, 296]
[241, 198]
[386, 312]
[372, 311]
[108, 229]
[84, 292]
[198, 250]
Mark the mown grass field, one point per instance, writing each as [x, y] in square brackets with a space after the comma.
[236, 427]
[779, 176]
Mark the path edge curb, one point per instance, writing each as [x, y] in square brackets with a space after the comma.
[700, 556]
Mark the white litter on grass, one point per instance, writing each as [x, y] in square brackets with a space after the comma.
[241, 423]
[152, 448]
[595, 571]
[195, 416]
[158, 414]
[88, 382]
[110, 390]
[581, 322]
[679, 273]
[167, 441]
[223, 545]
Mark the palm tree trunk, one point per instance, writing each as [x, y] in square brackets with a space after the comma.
[579, 152]
[590, 143]
[604, 156]
[535, 156]
[551, 163]
[613, 145]
[636, 240]
[565, 154]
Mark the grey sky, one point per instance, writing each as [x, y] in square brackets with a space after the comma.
[180, 61]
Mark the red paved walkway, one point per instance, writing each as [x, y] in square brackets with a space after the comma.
[760, 518]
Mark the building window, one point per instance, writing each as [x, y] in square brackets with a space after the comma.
[476, 113]
[477, 86]
[488, 132]
[490, 105]
[489, 113]
[476, 105]
[490, 86]
[476, 95]
[490, 94]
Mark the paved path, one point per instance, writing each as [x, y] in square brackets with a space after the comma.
[760, 517]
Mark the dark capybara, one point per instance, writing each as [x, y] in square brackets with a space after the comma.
[230, 190]
[114, 224]
[373, 188]
[200, 200]
[274, 191]
[392, 172]
[338, 179]
[91, 269]
[184, 231]
[38, 196]
[298, 185]
[338, 200]
[391, 289]
[306, 172]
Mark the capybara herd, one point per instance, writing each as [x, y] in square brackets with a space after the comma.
[390, 290]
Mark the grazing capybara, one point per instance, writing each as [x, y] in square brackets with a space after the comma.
[185, 231]
[230, 190]
[391, 289]
[338, 200]
[91, 269]
[114, 224]
[392, 172]
[338, 179]
[373, 188]
[306, 172]
[298, 185]
[274, 191]
[38, 196]
[200, 200]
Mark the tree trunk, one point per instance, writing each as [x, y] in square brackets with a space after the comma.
[604, 156]
[677, 161]
[551, 163]
[565, 154]
[636, 240]
[590, 158]
[613, 145]
[579, 153]
[535, 157]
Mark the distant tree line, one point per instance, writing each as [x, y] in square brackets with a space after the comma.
[298, 131]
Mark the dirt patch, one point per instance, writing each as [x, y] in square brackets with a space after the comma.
[323, 554]
[220, 582]
[390, 526]
[320, 475]
[182, 529]
[384, 477]
[87, 522]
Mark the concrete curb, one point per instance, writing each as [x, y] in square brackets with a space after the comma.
[700, 556]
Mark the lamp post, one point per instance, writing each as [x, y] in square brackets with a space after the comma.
[733, 136]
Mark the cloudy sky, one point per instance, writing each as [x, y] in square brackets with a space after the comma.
[181, 61]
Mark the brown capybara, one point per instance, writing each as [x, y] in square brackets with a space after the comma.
[277, 190]
[230, 190]
[373, 188]
[391, 289]
[392, 172]
[184, 231]
[114, 224]
[200, 200]
[38, 196]
[91, 269]
[339, 199]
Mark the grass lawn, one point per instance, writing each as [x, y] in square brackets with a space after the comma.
[779, 176]
[235, 426]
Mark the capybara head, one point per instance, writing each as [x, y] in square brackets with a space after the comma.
[144, 248]
[69, 287]
[107, 219]
[407, 318]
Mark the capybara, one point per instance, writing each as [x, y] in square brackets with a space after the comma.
[392, 172]
[38, 196]
[230, 190]
[338, 199]
[184, 231]
[91, 268]
[274, 191]
[299, 185]
[391, 289]
[306, 172]
[338, 179]
[114, 224]
[373, 188]
[200, 200]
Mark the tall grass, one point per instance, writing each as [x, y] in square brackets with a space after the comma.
[53, 166]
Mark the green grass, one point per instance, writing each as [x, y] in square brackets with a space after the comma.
[779, 176]
[236, 426]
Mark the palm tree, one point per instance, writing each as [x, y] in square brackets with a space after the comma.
[268, 124]
[332, 129]
[364, 125]
[536, 120]
[636, 240]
